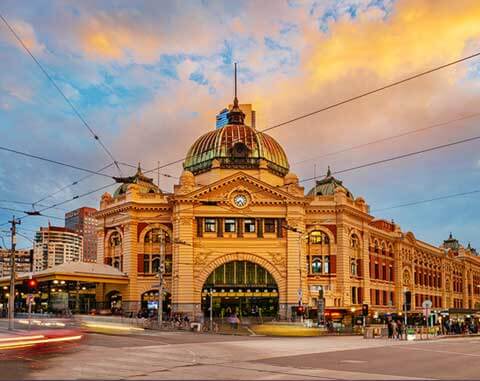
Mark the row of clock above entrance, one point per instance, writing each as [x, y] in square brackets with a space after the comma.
[240, 227]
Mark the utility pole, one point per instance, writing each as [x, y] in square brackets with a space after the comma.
[11, 299]
[211, 310]
[161, 271]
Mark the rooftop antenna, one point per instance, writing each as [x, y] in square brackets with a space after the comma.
[235, 100]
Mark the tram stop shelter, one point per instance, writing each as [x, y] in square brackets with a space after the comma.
[79, 287]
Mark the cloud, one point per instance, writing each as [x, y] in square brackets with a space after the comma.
[151, 76]
[415, 36]
[26, 33]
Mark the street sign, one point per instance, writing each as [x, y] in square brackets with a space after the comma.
[427, 304]
[29, 298]
[426, 312]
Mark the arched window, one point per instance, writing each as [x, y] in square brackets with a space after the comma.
[353, 266]
[317, 265]
[114, 252]
[318, 253]
[354, 242]
[154, 248]
[318, 238]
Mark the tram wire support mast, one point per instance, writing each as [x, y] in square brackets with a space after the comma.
[11, 298]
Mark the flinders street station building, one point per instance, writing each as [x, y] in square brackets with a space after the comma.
[240, 229]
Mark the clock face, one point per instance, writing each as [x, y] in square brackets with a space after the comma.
[240, 200]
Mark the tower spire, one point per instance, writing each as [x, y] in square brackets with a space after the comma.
[235, 100]
[235, 115]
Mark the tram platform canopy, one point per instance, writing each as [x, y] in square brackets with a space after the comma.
[74, 271]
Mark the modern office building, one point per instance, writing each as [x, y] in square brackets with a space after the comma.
[250, 116]
[240, 228]
[83, 222]
[56, 245]
[23, 261]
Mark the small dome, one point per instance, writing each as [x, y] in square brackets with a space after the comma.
[145, 183]
[236, 146]
[327, 186]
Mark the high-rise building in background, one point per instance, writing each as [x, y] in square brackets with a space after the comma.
[82, 221]
[56, 245]
[23, 261]
[222, 120]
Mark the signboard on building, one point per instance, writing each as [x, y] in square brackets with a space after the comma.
[59, 301]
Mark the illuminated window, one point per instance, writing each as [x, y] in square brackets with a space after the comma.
[230, 225]
[269, 225]
[210, 225]
[249, 225]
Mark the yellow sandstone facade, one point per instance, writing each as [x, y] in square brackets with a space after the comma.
[240, 225]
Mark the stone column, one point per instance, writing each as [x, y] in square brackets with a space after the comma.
[130, 259]
[296, 262]
[366, 266]
[185, 298]
[444, 285]
[398, 274]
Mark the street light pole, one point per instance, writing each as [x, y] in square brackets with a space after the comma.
[211, 310]
[11, 299]
[161, 270]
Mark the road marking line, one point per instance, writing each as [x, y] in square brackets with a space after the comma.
[440, 351]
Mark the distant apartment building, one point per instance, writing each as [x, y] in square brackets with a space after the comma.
[82, 221]
[23, 261]
[222, 119]
[56, 245]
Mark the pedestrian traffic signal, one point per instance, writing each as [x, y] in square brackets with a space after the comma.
[32, 284]
[365, 309]
[407, 306]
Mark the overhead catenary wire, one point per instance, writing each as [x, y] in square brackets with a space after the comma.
[76, 182]
[402, 156]
[413, 203]
[52, 81]
[27, 203]
[337, 104]
[392, 137]
[11, 150]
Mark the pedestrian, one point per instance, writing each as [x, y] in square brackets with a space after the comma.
[390, 329]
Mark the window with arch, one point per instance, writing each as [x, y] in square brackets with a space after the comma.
[318, 258]
[157, 242]
[318, 237]
[114, 252]
[353, 266]
[354, 242]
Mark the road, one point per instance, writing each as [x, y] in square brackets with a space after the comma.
[181, 355]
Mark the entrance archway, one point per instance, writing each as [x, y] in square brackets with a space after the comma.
[150, 302]
[242, 287]
[114, 301]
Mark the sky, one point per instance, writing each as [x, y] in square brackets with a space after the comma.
[149, 78]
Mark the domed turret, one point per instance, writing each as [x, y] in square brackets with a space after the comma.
[238, 146]
[327, 186]
[145, 183]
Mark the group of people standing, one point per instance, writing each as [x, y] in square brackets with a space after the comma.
[396, 329]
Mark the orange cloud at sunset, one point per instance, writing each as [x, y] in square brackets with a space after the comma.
[416, 35]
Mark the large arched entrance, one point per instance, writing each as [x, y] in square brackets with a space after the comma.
[241, 287]
[150, 302]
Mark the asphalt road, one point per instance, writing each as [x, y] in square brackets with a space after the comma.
[182, 355]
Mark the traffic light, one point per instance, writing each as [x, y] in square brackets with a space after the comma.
[408, 301]
[31, 284]
[365, 309]
[300, 310]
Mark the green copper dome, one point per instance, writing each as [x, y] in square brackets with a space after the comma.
[327, 186]
[236, 146]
